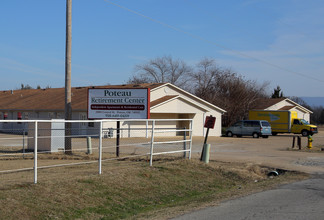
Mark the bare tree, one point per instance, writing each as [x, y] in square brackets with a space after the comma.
[318, 115]
[161, 70]
[221, 87]
[27, 86]
[24, 87]
[227, 89]
[300, 101]
[203, 78]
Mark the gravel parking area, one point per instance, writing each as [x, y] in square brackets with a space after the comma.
[275, 151]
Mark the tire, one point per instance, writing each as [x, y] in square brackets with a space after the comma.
[229, 134]
[305, 133]
[255, 135]
[274, 133]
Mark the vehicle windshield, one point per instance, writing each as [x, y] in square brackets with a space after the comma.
[304, 122]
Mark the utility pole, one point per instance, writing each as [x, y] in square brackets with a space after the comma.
[68, 99]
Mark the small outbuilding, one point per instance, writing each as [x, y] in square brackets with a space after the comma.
[284, 104]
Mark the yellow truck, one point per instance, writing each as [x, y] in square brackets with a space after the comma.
[284, 122]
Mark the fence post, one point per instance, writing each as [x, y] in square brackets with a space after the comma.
[100, 146]
[23, 143]
[146, 129]
[190, 136]
[89, 145]
[185, 143]
[35, 152]
[152, 143]
[299, 142]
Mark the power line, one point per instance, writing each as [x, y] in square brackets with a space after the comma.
[213, 43]
[220, 19]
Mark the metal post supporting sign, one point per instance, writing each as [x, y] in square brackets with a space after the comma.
[117, 138]
[209, 123]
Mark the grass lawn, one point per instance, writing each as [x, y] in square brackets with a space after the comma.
[131, 189]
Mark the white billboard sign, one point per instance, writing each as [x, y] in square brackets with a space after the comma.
[118, 103]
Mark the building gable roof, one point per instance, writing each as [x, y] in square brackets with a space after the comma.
[53, 99]
[191, 96]
[163, 100]
[287, 107]
[267, 103]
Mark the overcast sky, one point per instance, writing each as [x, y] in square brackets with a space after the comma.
[280, 41]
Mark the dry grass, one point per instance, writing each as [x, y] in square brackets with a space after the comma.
[129, 189]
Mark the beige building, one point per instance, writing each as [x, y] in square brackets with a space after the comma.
[166, 102]
[169, 101]
[284, 104]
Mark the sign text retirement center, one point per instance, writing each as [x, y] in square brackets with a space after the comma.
[118, 103]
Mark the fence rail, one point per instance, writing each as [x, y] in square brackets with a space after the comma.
[92, 141]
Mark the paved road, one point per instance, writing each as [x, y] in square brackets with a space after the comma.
[300, 200]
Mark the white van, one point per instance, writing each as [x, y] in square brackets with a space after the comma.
[254, 128]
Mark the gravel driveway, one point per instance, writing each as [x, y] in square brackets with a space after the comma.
[275, 151]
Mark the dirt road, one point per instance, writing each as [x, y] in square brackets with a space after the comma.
[275, 151]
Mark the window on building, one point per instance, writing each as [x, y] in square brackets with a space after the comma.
[51, 115]
[83, 117]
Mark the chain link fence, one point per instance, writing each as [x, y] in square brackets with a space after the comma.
[27, 146]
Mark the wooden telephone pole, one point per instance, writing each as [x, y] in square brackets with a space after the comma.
[68, 99]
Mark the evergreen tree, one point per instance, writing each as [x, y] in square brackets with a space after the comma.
[277, 93]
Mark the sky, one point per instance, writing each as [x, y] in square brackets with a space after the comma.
[275, 41]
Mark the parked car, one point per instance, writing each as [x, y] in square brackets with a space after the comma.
[254, 128]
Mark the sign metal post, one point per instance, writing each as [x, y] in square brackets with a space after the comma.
[209, 123]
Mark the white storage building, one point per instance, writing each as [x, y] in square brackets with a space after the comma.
[284, 104]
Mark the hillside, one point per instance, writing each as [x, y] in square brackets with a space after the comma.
[314, 101]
